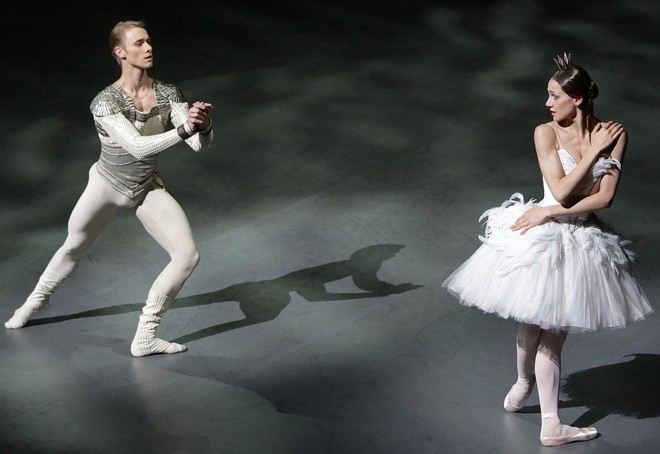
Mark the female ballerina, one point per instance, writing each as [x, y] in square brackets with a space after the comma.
[136, 118]
[554, 266]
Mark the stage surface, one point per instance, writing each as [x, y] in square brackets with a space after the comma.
[356, 145]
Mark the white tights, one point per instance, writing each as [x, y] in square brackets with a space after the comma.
[160, 214]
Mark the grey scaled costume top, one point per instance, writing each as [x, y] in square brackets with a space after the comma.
[132, 140]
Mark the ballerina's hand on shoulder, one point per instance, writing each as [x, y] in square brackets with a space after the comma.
[604, 135]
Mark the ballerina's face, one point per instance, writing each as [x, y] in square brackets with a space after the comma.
[562, 106]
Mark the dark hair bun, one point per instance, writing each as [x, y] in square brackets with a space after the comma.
[593, 90]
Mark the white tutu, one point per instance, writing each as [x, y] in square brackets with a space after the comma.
[571, 274]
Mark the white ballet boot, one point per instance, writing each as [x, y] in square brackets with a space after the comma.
[38, 299]
[145, 341]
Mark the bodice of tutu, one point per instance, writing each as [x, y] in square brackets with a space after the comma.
[568, 163]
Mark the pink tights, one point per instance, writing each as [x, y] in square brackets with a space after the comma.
[538, 352]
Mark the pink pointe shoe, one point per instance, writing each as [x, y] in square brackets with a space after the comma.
[584, 434]
[519, 394]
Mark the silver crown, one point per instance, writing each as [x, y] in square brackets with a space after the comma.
[563, 62]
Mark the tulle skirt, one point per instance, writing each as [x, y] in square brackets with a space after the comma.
[572, 274]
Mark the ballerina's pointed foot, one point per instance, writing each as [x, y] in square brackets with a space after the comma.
[582, 434]
[519, 393]
[23, 314]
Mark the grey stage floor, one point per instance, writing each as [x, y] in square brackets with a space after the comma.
[356, 145]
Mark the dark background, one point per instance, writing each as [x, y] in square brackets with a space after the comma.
[356, 145]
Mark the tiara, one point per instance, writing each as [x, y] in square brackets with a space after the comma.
[563, 62]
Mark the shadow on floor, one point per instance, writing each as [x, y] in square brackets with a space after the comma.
[628, 389]
[263, 301]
